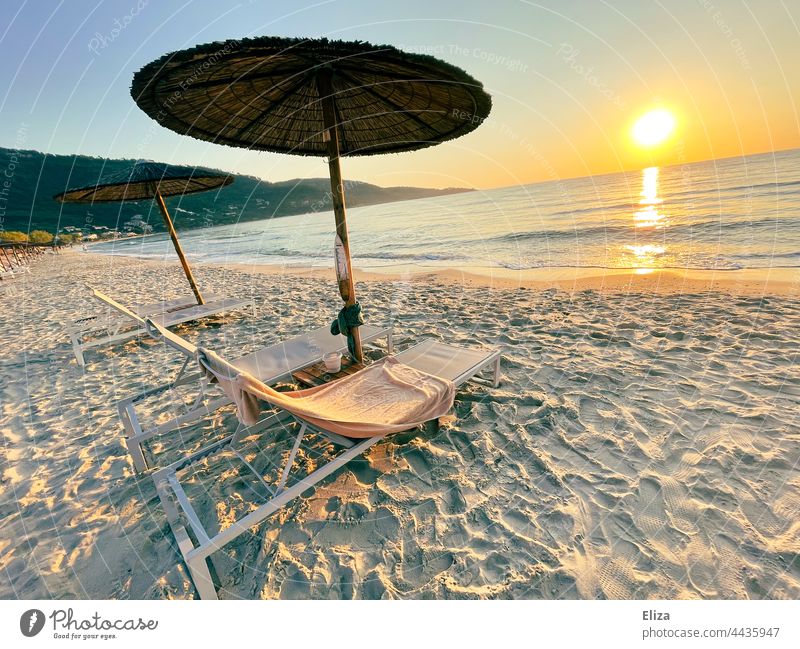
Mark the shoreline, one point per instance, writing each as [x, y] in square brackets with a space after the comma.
[765, 281]
[754, 281]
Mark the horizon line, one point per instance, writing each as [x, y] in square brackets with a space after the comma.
[523, 184]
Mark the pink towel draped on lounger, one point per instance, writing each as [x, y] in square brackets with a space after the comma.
[386, 397]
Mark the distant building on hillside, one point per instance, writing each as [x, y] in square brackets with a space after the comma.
[137, 224]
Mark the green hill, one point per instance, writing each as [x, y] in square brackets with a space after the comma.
[33, 178]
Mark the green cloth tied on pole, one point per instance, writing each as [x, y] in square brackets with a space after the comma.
[349, 318]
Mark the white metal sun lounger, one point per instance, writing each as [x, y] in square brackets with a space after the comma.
[15, 271]
[119, 323]
[196, 544]
[270, 364]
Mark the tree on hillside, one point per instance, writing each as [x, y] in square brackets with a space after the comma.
[64, 239]
[41, 236]
[13, 236]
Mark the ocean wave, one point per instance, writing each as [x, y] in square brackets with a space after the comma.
[723, 265]
[671, 226]
[745, 188]
[390, 256]
[728, 262]
[712, 191]
[626, 206]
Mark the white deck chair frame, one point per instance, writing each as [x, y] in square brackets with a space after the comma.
[196, 548]
[122, 324]
[136, 433]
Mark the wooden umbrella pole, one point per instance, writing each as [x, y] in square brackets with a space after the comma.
[174, 236]
[346, 286]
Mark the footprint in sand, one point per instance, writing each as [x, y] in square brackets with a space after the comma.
[463, 444]
[559, 525]
[520, 524]
[760, 516]
[373, 587]
[730, 569]
[419, 565]
[346, 582]
[418, 463]
[452, 499]
[295, 585]
[650, 516]
[616, 575]
[701, 568]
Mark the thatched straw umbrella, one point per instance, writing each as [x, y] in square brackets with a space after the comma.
[146, 180]
[317, 98]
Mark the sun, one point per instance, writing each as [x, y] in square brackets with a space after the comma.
[653, 127]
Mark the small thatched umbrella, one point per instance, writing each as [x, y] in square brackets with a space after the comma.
[146, 180]
[313, 97]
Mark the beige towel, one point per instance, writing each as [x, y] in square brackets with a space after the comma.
[386, 397]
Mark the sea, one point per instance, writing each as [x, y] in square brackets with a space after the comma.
[730, 214]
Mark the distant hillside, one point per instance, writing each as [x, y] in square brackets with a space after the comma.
[33, 178]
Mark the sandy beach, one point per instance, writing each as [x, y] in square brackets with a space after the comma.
[644, 443]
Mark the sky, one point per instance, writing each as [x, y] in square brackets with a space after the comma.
[568, 80]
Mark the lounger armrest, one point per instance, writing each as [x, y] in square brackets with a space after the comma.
[119, 308]
[172, 339]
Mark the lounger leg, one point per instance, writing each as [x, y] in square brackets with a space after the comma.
[132, 441]
[201, 576]
[389, 343]
[197, 564]
[137, 455]
[201, 396]
[278, 502]
[76, 347]
[496, 375]
[290, 461]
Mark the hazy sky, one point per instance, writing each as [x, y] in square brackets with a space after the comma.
[567, 78]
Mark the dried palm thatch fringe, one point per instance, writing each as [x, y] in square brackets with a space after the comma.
[143, 180]
[263, 94]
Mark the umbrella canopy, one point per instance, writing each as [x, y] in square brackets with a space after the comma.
[151, 180]
[143, 180]
[264, 94]
[313, 97]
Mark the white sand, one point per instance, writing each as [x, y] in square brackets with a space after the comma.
[643, 444]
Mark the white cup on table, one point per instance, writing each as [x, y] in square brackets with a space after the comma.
[333, 362]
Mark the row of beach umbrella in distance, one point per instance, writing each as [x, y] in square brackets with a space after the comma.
[299, 96]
